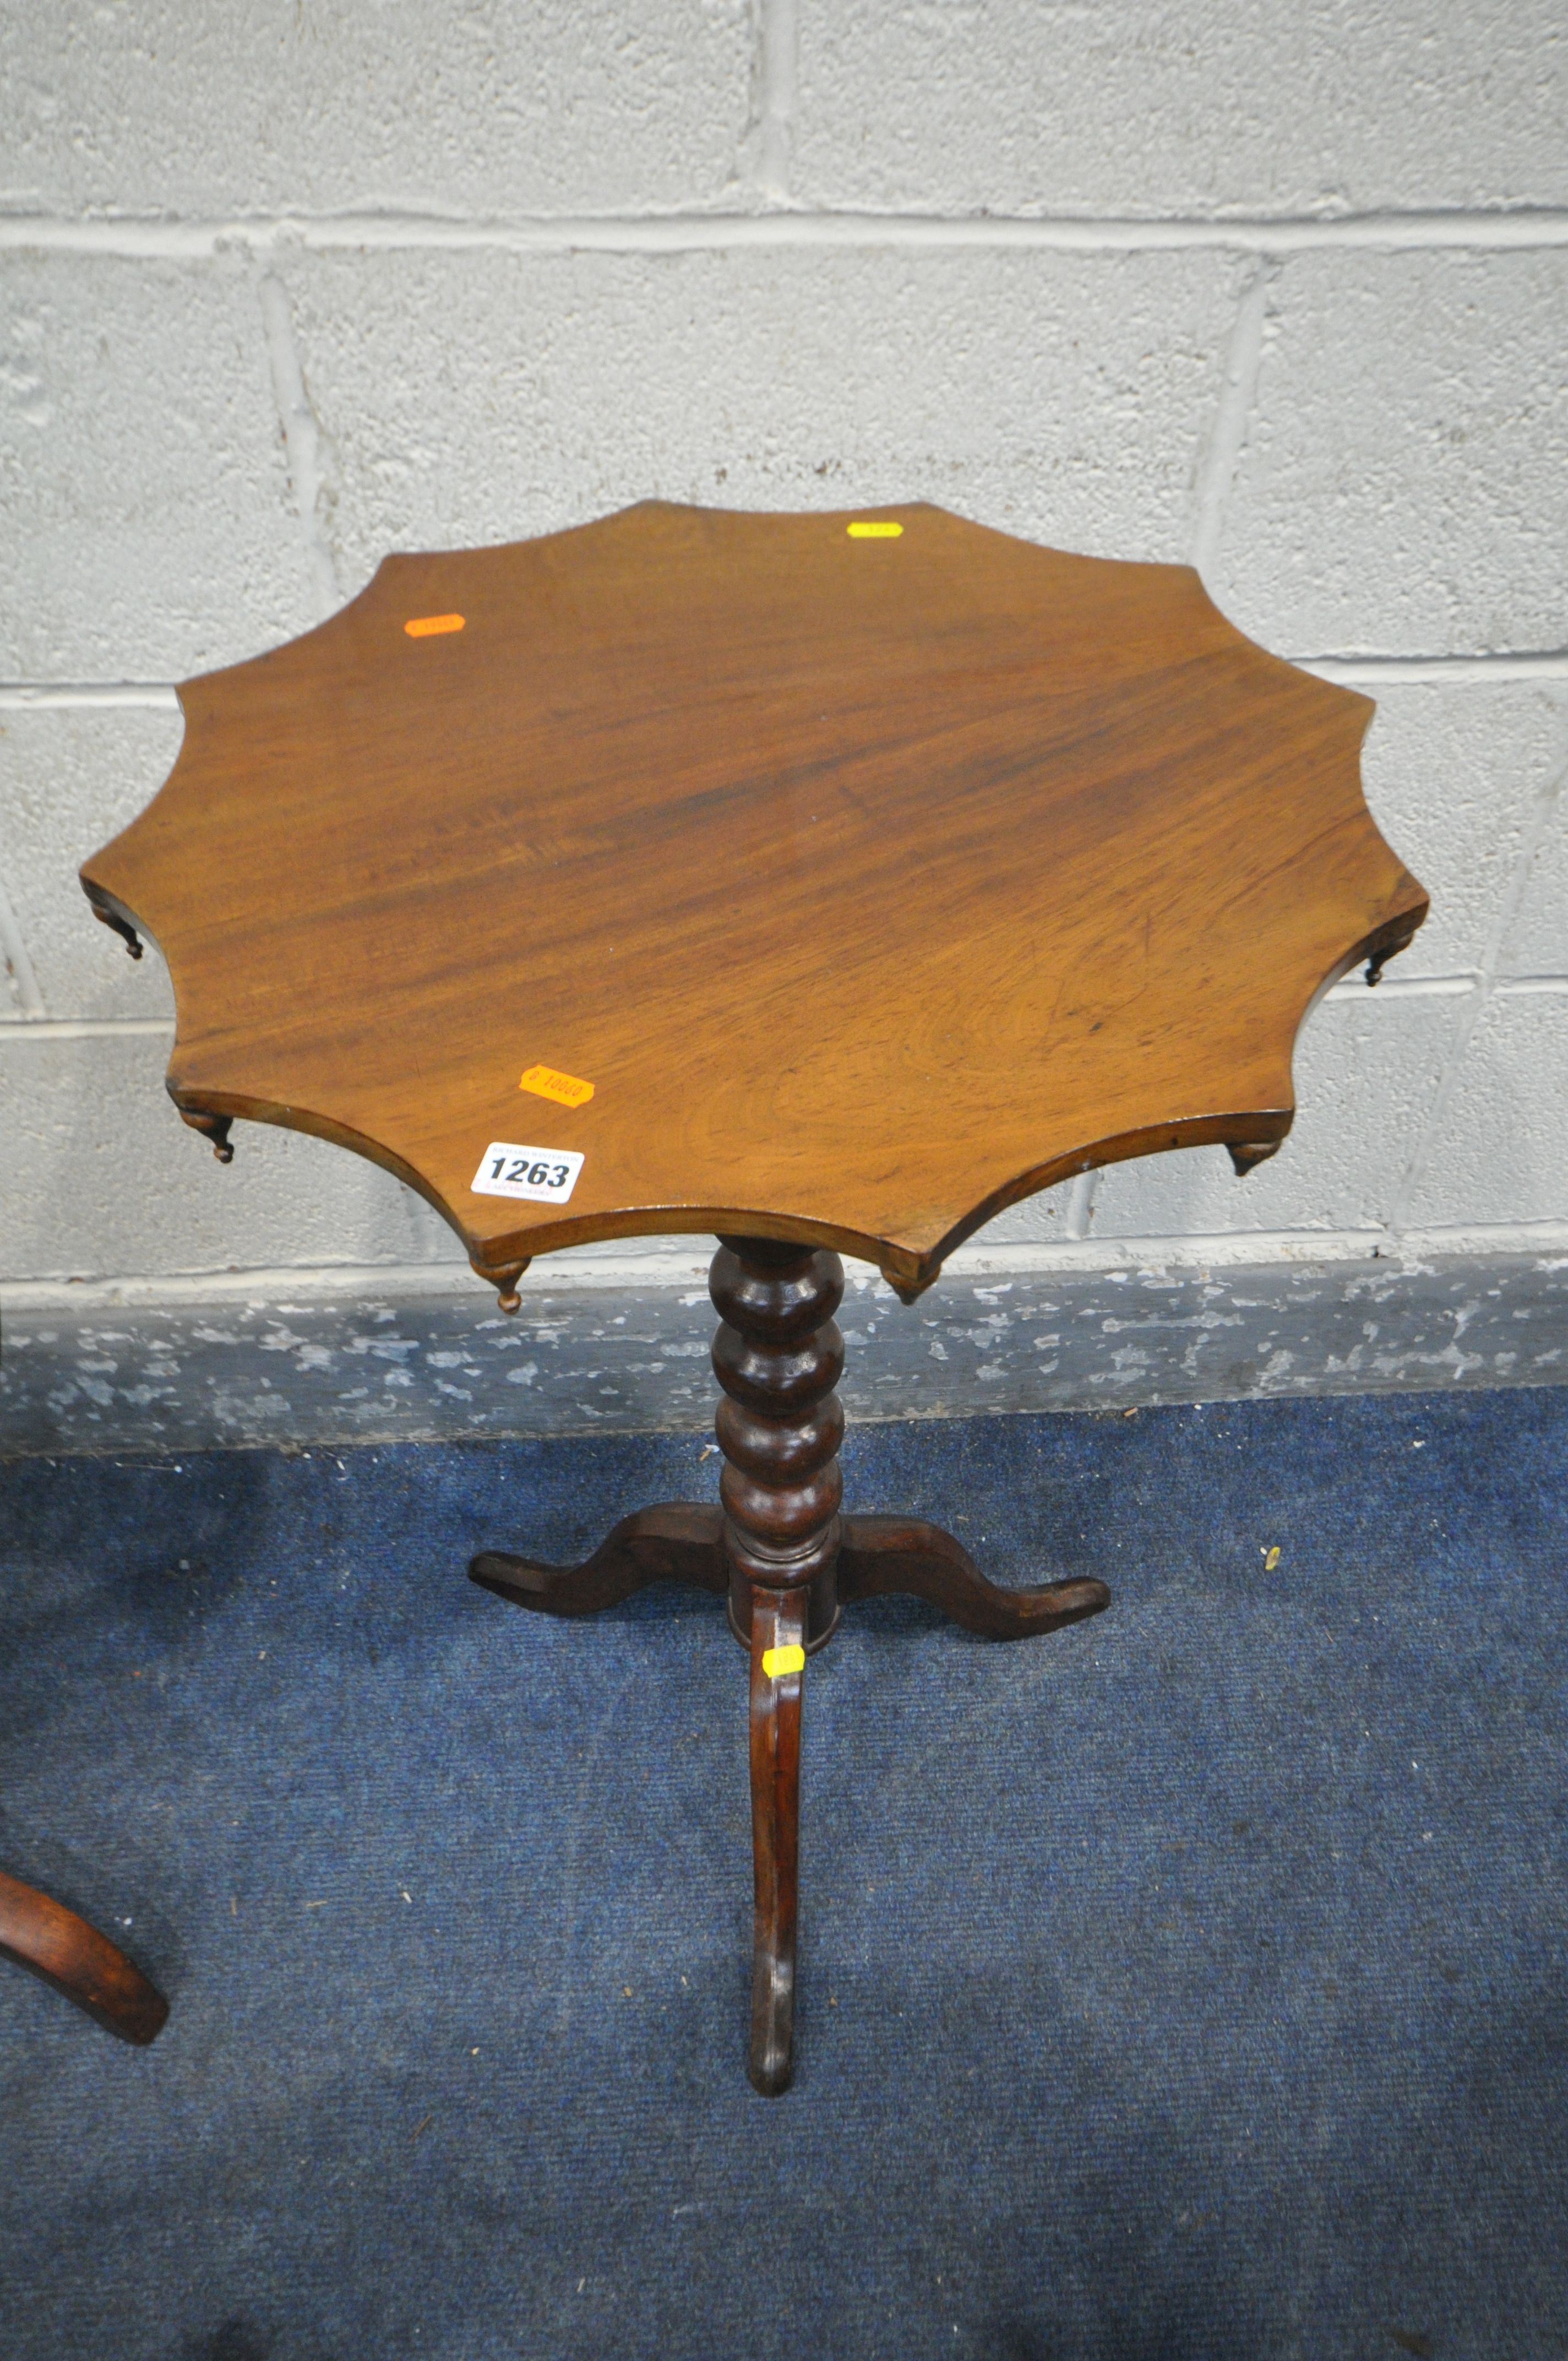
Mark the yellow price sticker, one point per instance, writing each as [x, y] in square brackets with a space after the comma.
[567, 1090]
[777, 1662]
[875, 531]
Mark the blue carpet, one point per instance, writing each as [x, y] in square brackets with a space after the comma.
[1190, 1983]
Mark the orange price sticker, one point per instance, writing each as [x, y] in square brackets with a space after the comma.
[567, 1090]
[425, 627]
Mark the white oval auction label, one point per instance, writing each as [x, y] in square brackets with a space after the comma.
[545, 1176]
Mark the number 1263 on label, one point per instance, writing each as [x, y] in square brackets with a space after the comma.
[546, 1176]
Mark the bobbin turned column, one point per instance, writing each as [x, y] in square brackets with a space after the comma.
[778, 1357]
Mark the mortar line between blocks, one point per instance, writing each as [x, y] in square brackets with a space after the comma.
[199, 239]
[24, 979]
[39, 1027]
[1392, 672]
[776, 62]
[46, 696]
[1080, 1210]
[1404, 987]
[1233, 413]
[81, 1028]
[302, 437]
[1354, 672]
[1487, 980]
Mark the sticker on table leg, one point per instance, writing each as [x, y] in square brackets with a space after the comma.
[544, 1176]
[779, 1662]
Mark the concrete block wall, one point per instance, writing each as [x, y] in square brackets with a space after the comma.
[1281, 289]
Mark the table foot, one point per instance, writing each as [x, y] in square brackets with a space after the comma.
[903, 1554]
[778, 1671]
[65, 1951]
[678, 1541]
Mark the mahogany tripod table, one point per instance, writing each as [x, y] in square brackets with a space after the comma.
[825, 882]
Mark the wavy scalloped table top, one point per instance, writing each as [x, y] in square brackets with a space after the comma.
[872, 879]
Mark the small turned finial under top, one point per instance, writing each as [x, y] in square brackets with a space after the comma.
[215, 1127]
[909, 1291]
[1246, 1155]
[503, 1278]
[122, 926]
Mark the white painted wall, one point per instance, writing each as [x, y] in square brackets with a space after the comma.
[1280, 286]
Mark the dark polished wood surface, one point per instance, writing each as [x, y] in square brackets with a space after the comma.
[871, 883]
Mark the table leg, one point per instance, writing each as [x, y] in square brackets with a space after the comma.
[787, 1558]
[777, 1356]
[778, 1668]
[678, 1541]
[904, 1553]
[43, 1935]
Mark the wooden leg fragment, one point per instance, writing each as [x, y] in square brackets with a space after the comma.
[903, 1554]
[43, 1935]
[778, 1671]
[679, 1540]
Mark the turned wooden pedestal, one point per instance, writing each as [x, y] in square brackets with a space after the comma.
[785, 1561]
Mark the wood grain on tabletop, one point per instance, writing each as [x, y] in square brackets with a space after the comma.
[872, 882]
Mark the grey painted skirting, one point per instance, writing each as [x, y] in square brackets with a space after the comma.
[366, 1368]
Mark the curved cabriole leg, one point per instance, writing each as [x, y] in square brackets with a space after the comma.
[778, 1671]
[676, 1541]
[903, 1554]
[68, 1953]
[778, 1356]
